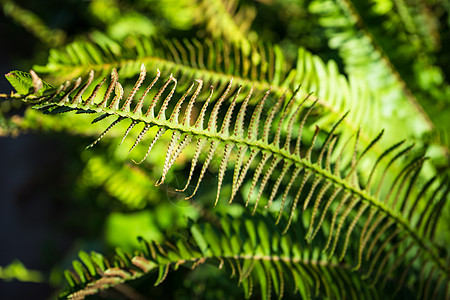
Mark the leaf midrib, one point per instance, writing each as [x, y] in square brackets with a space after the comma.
[258, 84]
[364, 195]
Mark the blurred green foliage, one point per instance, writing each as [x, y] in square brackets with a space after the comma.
[17, 271]
[394, 54]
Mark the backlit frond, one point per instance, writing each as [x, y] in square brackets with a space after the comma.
[292, 175]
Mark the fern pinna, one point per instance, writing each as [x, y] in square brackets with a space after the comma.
[337, 200]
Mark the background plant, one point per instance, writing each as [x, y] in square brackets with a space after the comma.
[383, 64]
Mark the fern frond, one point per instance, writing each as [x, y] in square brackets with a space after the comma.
[216, 62]
[390, 60]
[409, 47]
[228, 19]
[361, 61]
[419, 22]
[129, 185]
[253, 253]
[352, 205]
[34, 24]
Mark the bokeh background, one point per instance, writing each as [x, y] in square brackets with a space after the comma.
[57, 199]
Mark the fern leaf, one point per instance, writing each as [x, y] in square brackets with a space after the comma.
[262, 74]
[224, 19]
[271, 267]
[395, 67]
[352, 204]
